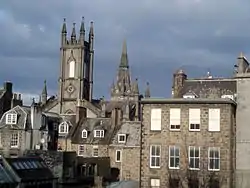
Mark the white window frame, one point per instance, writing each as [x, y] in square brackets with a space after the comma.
[121, 136]
[175, 156]
[195, 158]
[194, 118]
[188, 96]
[155, 183]
[14, 140]
[155, 123]
[80, 150]
[214, 158]
[95, 148]
[72, 69]
[99, 133]
[174, 122]
[65, 128]
[212, 119]
[154, 155]
[116, 155]
[84, 133]
[11, 119]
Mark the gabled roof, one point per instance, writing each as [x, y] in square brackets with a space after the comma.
[5, 175]
[132, 130]
[23, 120]
[30, 168]
[91, 124]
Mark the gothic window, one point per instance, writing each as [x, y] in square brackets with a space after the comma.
[72, 69]
[63, 128]
[14, 140]
[84, 133]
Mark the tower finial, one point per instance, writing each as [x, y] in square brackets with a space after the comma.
[64, 28]
[124, 56]
[147, 91]
[91, 30]
[44, 93]
[82, 28]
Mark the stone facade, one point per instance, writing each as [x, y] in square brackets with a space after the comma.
[224, 139]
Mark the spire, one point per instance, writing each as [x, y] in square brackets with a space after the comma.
[64, 28]
[82, 28]
[136, 87]
[124, 56]
[44, 93]
[73, 34]
[91, 30]
[147, 91]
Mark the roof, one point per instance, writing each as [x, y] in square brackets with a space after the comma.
[132, 131]
[188, 101]
[30, 168]
[210, 88]
[5, 175]
[91, 124]
[23, 119]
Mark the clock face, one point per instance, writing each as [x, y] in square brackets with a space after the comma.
[70, 89]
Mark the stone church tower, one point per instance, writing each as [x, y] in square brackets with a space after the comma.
[76, 68]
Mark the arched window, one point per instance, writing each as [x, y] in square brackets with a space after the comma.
[72, 69]
[84, 133]
[63, 128]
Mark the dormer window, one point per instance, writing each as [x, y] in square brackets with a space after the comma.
[99, 133]
[84, 133]
[121, 138]
[63, 128]
[227, 96]
[189, 96]
[11, 118]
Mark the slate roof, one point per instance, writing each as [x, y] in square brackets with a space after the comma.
[91, 124]
[132, 131]
[29, 169]
[21, 117]
[5, 175]
[207, 88]
[2, 92]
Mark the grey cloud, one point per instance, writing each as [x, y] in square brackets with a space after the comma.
[162, 36]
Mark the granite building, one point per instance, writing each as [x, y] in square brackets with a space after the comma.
[188, 142]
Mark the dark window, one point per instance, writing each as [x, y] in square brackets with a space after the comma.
[194, 126]
[214, 183]
[174, 182]
[193, 183]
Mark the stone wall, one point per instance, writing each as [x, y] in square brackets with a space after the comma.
[185, 138]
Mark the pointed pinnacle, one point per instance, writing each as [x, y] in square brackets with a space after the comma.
[124, 56]
[91, 30]
[64, 28]
[82, 29]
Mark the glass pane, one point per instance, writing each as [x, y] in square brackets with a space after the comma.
[158, 161]
[172, 151]
[153, 150]
[191, 152]
[197, 163]
[191, 163]
[172, 162]
[177, 162]
[177, 151]
[211, 153]
[153, 161]
[211, 164]
[216, 154]
[197, 153]
[217, 164]
[158, 150]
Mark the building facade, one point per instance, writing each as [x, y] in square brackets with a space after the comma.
[188, 143]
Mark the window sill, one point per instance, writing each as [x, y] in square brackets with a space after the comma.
[194, 169]
[118, 161]
[155, 130]
[174, 168]
[194, 130]
[155, 167]
[175, 130]
[214, 170]
[13, 147]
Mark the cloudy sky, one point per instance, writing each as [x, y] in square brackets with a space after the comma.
[162, 36]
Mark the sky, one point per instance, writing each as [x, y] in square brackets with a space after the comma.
[162, 36]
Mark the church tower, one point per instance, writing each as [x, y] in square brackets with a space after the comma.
[76, 67]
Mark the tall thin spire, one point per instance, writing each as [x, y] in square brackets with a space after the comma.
[44, 93]
[73, 34]
[82, 28]
[64, 28]
[91, 30]
[147, 91]
[124, 56]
